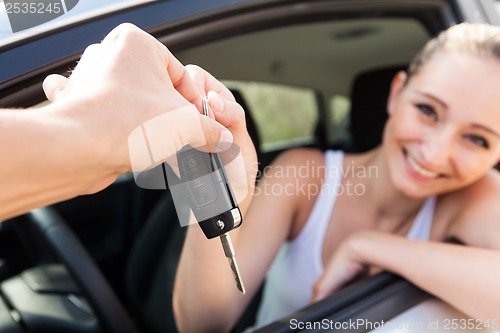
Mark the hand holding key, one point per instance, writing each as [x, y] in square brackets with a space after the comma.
[211, 198]
[203, 286]
[228, 113]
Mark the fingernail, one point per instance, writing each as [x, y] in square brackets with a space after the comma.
[226, 139]
[217, 102]
[226, 136]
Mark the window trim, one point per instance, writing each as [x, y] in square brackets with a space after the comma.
[373, 299]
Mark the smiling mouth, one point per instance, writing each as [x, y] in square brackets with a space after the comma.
[420, 170]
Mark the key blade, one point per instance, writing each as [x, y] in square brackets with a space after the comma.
[236, 275]
[227, 245]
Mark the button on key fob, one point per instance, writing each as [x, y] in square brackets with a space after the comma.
[211, 198]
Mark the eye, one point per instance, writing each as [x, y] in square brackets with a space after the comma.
[427, 111]
[478, 140]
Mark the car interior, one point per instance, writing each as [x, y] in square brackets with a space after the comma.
[308, 75]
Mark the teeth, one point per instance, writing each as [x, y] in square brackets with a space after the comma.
[420, 170]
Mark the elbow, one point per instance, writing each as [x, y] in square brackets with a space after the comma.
[193, 318]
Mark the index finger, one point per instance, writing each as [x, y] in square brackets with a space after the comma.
[180, 77]
[205, 82]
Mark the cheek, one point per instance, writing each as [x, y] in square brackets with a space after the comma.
[471, 165]
[402, 127]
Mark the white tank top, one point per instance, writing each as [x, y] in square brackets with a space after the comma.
[289, 282]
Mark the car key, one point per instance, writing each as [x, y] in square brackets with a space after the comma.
[211, 198]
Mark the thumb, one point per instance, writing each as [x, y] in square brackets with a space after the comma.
[227, 112]
[54, 86]
[336, 276]
[216, 137]
[326, 285]
[319, 290]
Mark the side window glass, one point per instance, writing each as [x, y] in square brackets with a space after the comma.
[338, 126]
[285, 116]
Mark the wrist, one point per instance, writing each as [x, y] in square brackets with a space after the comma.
[78, 147]
[360, 245]
[379, 249]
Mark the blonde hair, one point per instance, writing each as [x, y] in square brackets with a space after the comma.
[473, 38]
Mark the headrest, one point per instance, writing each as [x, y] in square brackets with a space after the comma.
[369, 94]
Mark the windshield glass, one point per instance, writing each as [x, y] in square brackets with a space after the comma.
[23, 18]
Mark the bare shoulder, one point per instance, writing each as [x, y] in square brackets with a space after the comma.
[476, 218]
[300, 157]
[303, 172]
[300, 165]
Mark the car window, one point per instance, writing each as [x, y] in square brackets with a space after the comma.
[338, 126]
[285, 115]
[332, 54]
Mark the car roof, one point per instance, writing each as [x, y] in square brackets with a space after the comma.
[324, 55]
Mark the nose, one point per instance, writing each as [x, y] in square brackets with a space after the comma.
[437, 148]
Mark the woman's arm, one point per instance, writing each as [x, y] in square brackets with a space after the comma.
[464, 276]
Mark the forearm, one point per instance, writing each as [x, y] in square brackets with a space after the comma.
[204, 288]
[41, 149]
[205, 295]
[465, 277]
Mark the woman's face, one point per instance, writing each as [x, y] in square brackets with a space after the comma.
[443, 131]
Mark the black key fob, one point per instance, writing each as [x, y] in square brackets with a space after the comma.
[208, 190]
